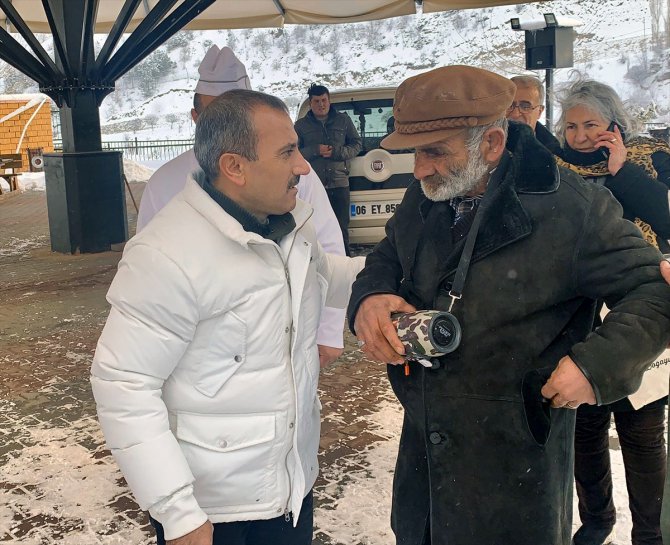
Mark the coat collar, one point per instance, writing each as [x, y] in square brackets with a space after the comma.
[196, 197]
[534, 166]
[527, 168]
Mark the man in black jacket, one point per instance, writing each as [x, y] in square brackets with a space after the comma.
[485, 454]
[329, 140]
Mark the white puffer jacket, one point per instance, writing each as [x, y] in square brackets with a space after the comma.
[206, 372]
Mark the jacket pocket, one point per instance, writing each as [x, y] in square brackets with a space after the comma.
[337, 136]
[536, 409]
[233, 457]
[219, 352]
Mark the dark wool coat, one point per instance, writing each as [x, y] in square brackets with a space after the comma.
[477, 465]
[337, 131]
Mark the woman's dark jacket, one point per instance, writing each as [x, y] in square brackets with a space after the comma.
[337, 131]
[640, 195]
[549, 246]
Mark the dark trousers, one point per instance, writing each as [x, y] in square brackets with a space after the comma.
[642, 445]
[339, 201]
[276, 531]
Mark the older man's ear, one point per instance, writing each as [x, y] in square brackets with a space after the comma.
[665, 270]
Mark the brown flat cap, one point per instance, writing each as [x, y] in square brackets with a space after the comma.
[437, 104]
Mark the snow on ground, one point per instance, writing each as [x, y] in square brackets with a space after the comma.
[55, 477]
[136, 172]
[34, 181]
[360, 487]
[66, 470]
[18, 247]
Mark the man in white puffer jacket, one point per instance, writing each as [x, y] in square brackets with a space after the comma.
[220, 71]
[206, 372]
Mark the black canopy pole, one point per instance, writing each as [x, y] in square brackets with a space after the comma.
[85, 192]
[128, 48]
[279, 7]
[14, 53]
[119, 27]
[57, 38]
[86, 49]
[27, 34]
[168, 28]
[80, 117]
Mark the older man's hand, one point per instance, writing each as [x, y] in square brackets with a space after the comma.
[202, 535]
[375, 330]
[328, 354]
[665, 270]
[567, 386]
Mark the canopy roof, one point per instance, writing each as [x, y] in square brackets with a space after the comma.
[260, 13]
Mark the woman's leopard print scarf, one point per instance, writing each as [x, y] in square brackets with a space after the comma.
[640, 150]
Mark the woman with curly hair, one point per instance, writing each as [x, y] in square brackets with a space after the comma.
[600, 143]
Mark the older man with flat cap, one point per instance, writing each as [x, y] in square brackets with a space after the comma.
[518, 250]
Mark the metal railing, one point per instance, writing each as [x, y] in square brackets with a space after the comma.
[143, 150]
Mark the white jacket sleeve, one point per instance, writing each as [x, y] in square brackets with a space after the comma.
[329, 235]
[153, 318]
[147, 209]
[340, 272]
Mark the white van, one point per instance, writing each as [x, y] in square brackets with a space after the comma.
[378, 178]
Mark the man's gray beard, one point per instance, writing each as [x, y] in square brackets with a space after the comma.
[458, 182]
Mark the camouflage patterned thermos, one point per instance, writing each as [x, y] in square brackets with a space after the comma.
[427, 333]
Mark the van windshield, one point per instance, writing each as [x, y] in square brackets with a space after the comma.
[373, 120]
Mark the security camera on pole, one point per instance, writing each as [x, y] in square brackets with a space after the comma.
[549, 45]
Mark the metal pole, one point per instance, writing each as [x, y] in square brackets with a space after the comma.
[549, 98]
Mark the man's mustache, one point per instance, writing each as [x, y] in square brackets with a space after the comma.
[293, 182]
[434, 178]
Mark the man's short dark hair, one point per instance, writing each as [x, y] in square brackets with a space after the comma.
[316, 90]
[532, 82]
[197, 103]
[226, 126]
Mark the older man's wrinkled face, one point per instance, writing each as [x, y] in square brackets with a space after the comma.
[448, 169]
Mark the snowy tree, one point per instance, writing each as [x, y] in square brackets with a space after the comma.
[180, 39]
[151, 70]
[172, 119]
[151, 120]
[337, 61]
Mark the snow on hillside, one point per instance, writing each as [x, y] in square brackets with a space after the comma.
[614, 44]
[613, 40]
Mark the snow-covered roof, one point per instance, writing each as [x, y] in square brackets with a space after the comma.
[24, 97]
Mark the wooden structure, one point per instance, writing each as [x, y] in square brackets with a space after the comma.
[13, 162]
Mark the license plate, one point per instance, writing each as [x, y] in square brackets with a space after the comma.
[373, 209]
